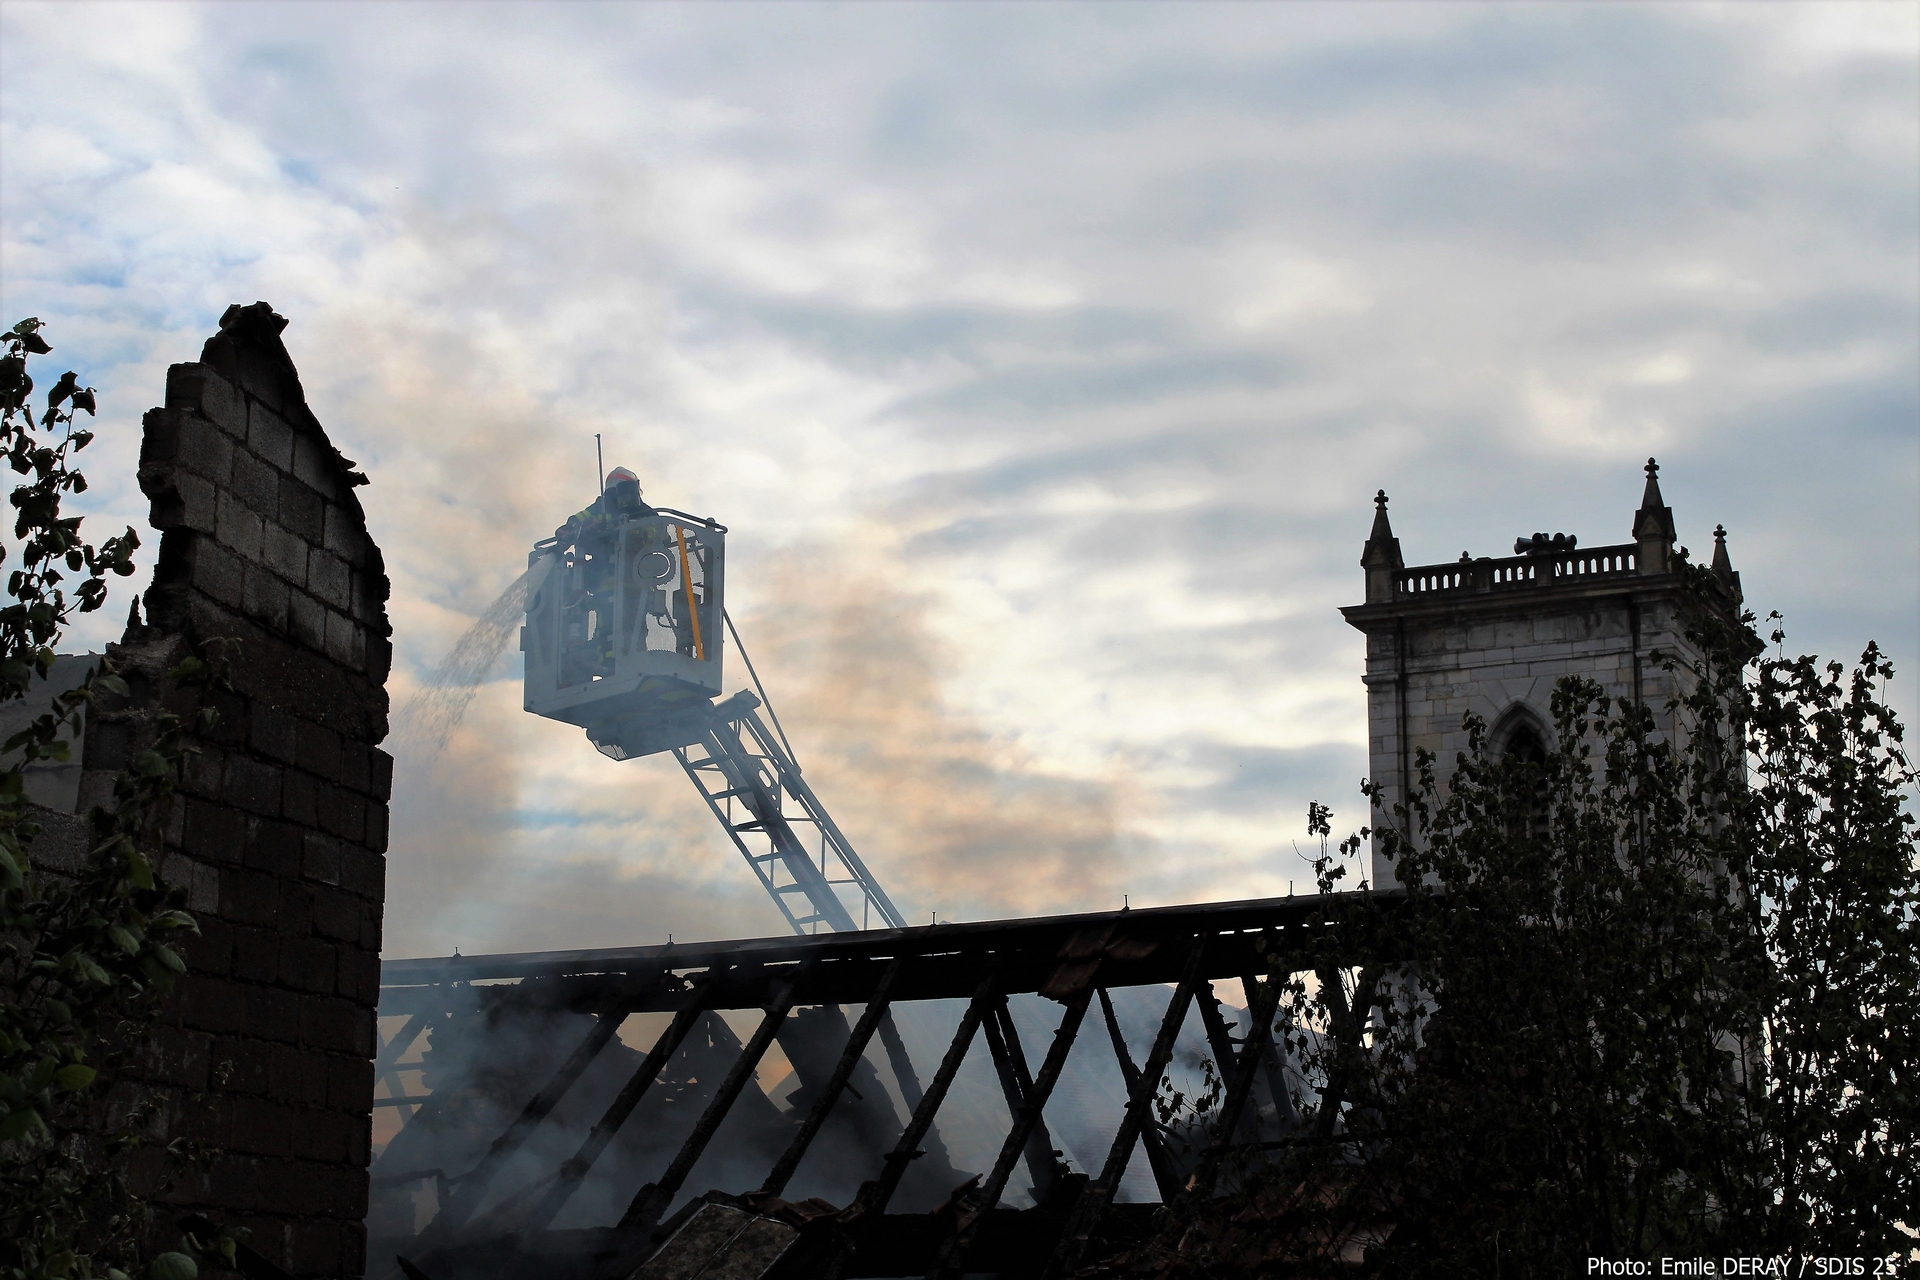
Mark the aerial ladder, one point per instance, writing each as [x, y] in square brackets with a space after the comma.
[626, 615]
[626, 609]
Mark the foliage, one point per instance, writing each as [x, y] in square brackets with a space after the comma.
[1658, 996]
[83, 959]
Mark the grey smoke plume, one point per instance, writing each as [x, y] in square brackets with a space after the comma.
[432, 714]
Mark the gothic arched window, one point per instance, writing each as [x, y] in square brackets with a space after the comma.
[1520, 740]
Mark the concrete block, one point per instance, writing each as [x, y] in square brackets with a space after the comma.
[318, 750]
[254, 786]
[265, 595]
[297, 1077]
[380, 767]
[286, 554]
[196, 388]
[276, 847]
[345, 536]
[349, 1082]
[336, 914]
[272, 1013]
[342, 813]
[300, 798]
[309, 965]
[376, 837]
[340, 632]
[238, 526]
[336, 1025]
[320, 858]
[296, 908]
[202, 448]
[368, 594]
[363, 871]
[256, 483]
[272, 733]
[202, 776]
[326, 1136]
[262, 1126]
[269, 436]
[218, 573]
[215, 833]
[355, 767]
[205, 1004]
[175, 1056]
[195, 505]
[256, 954]
[250, 897]
[360, 968]
[315, 467]
[307, 620]
[316, 1247]
[303, 511]
[329, 579]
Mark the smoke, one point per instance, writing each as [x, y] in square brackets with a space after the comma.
[437, 707]
[948, 815]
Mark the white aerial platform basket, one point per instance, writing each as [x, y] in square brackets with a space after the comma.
[625, 610]
[625, 615]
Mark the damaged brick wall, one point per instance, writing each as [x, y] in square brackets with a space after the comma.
[281, 829]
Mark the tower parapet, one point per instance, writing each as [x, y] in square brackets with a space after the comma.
[1492, 635]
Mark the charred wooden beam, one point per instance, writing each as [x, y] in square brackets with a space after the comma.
[473, 1187]
[1086, 1216]
[1016, 1085]
[1265, 997]
[947, 1264]
[1069, 959]
[651, 1201]
[1158, 1159]
[1040, 939]
[575, 1170]
[870, 1019]
[1239, 1070]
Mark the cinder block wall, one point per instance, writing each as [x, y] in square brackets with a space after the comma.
[281, 830]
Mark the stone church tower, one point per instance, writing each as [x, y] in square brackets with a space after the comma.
[1491, 636]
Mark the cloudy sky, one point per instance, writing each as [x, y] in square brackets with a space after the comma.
[1042, 359]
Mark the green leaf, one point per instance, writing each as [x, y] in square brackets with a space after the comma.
[91, 971]
[169, 920]
[139, 871]
[173, 1266]
[20, 1122]
[123, 939]
[68, 384]
[73, 1077]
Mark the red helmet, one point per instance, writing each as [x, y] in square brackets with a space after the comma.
[619, 474]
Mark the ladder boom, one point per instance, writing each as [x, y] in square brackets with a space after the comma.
[746, 780]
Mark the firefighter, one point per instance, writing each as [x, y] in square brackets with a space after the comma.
[619, 500]
[591, 531]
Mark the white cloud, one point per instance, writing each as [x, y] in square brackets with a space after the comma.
[1073, 339]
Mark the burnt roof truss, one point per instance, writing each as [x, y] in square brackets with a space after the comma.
[540, 1140]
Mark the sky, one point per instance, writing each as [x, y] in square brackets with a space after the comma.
[1042, 359]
